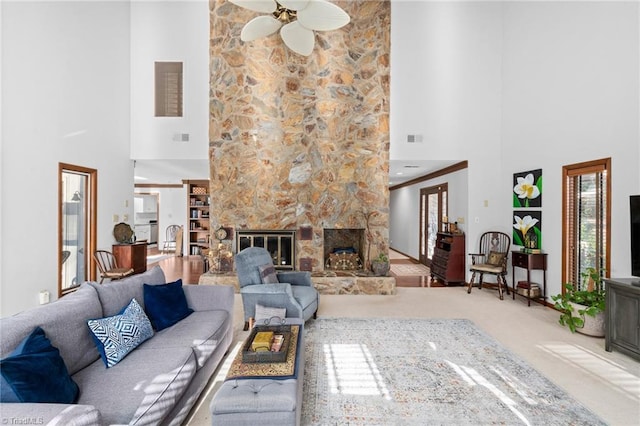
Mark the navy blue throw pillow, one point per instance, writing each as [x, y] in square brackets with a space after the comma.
[166, 304]
[35, 372]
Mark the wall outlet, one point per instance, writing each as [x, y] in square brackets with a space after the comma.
[44, 297]
[125, 217]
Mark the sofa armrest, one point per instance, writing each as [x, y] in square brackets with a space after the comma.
[53, 414]
[295, 278]
[209, 297]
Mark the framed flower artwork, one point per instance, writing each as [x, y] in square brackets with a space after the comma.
[527, 228]
[527, 189]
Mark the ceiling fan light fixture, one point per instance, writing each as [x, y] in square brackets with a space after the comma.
[298, 38]
[321, 15]
[298, 19]
[258, 27]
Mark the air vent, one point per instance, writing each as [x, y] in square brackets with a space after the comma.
[414, 138]
[411, 166]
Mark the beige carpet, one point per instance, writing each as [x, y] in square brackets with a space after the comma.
[608, 383]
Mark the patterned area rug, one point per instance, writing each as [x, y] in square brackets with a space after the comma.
[424, 371]
[415, 269]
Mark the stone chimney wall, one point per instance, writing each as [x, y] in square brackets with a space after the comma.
[301, 141]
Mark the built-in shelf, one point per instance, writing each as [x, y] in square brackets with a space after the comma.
[198, 202]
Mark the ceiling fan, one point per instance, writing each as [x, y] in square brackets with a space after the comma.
[296, 20]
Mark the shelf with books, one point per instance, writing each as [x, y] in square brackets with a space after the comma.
[198, 202]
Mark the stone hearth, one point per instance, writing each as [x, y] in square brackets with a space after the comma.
[337, 283]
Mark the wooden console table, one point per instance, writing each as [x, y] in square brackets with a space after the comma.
[131, 256]
[529, 261]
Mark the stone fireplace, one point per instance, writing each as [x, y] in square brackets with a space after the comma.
[302, 143]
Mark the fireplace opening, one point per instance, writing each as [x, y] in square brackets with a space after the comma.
[280, 244]
[344, 249]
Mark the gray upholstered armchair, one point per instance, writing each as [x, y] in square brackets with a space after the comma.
[261, 284]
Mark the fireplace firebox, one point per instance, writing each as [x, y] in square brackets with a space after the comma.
[280, 244]
[344, 249]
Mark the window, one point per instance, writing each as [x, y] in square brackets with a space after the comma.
[586, 219]
[76, 226]
[168, 78]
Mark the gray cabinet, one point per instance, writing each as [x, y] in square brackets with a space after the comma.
[622, 312]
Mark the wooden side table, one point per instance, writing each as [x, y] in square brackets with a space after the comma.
[530, 262]
[131, 256]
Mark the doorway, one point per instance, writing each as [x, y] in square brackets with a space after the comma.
[433, 208]
[77, 195]
[146, 207]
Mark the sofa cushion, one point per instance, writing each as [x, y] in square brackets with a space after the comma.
[116, 294]
[118, 335]
[35, 372]
[203, 329]
[166, 304]
[65, 324]
[141, 389]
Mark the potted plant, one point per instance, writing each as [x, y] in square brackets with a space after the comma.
[582, 310]
[380, 265]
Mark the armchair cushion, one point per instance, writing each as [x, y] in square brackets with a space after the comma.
[496, 258]
[268, 274]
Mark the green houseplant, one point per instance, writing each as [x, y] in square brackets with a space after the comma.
[380, 265]
[582, 309]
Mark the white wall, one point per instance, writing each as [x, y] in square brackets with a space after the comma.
[65, 98]
[571, 80]
[515, 86]
[170, 31]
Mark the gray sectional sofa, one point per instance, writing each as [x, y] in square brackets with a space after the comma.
[156, 383]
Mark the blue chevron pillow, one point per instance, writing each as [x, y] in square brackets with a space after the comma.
[118, 335]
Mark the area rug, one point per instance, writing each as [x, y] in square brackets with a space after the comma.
[415, 269]
[424, 372]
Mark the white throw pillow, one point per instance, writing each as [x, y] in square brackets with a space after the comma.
[265, 313]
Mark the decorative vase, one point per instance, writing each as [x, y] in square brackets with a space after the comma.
[593, 326]
[380, 269]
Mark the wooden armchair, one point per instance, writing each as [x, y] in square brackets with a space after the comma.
[491, 259]
[108, 266]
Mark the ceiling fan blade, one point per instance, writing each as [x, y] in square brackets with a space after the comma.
[294, 4]
[261, 26]
[264, 6]
[298, 38]
[322, 16]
